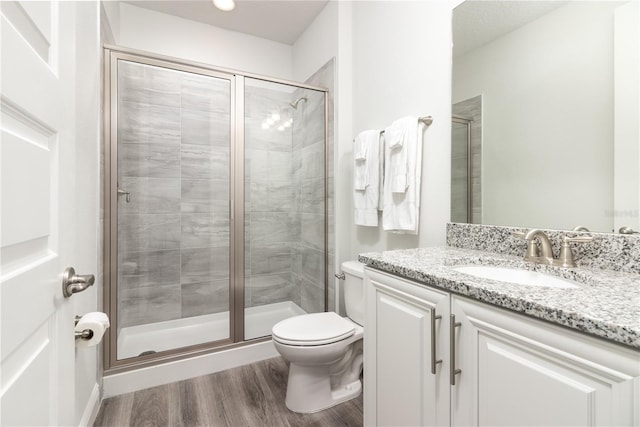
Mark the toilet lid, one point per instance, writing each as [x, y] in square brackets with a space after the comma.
[313, 329]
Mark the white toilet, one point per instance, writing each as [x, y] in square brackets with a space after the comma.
[325, 350]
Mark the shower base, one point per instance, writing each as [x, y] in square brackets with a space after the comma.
[172, 334]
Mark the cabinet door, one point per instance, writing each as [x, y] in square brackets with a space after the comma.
[400, 387]
[519, 371]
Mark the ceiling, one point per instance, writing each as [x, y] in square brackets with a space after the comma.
[280, 21]
[478, 22]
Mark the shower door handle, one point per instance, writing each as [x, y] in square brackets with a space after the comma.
[125, 193]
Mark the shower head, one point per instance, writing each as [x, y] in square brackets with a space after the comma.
[295, 103]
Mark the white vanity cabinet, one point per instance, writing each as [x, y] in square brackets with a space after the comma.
[514, 370]
[404, 327]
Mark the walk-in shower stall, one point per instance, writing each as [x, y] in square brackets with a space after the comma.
[215, 206]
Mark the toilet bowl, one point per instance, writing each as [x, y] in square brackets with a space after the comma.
[324, 350]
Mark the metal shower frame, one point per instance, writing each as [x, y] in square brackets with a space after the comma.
[112, 54]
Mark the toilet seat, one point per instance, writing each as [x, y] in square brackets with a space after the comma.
[313, 329]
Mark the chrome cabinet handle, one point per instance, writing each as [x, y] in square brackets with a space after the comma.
[125, 193]
[434, 362]
[452, 348]
[73, 283]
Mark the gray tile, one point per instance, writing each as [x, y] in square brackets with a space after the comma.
[149, 160]
[260, 100]
[257, 196]
[200, 195]
[312, 196]
[151, 304]
[147, 84]
[256, 167]
[145, 123]
[268, 289]
[266, 258]
[205, 230]
[205, 298]
[312, 297]
[205, 93]
[312, 267]
[204, 162]
[149, 196]
[295, 294]
[313, 161]
[148, 268]
[272, 138]
[148, 232]
[271, 196]
[203, 264]
[312, 229]
[206, 128]
[268, 227]
[279, 166]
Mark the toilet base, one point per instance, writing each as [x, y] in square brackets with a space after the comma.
[309, 389]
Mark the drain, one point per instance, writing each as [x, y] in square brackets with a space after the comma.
[146, 353]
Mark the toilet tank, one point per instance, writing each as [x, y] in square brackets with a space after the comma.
[354, 290]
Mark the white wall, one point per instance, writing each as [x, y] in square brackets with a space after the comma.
[181, 38]
[538, 148]
[384, 73]
[317, 45]
[88, 82]
[402, 66]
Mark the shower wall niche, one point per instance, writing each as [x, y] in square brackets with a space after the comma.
[189, 267]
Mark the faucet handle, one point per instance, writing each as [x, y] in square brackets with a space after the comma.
[565, 257]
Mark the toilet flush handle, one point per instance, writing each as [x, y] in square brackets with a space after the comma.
[339, 276]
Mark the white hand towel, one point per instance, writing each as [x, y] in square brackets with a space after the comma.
[366, 197]
[401, 135]
[361, 166]
[401, 212]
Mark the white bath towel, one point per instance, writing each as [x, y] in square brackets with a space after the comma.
[401, 211]
[367, 178]
[400, 136]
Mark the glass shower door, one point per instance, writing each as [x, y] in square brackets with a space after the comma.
[173, 191]
[284, 186]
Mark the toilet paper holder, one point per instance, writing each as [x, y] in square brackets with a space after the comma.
[86, 334]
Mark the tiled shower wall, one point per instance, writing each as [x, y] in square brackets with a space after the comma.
[309, 203]
[173, 157]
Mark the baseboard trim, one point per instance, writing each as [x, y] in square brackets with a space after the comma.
[179, 370]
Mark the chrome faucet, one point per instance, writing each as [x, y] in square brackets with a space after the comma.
[544, 255]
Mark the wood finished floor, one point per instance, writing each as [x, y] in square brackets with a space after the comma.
[251, 395]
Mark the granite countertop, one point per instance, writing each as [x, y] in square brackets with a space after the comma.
[606, 303]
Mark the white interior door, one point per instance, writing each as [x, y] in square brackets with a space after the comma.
[38, 186]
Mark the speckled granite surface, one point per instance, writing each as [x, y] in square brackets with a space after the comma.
[607, 251]
[606, 303]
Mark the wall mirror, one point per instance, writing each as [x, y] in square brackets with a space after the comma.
[549, 90]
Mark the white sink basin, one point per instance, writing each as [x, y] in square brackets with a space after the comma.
[514, 275]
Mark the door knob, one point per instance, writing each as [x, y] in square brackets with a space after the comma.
[73, 283]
